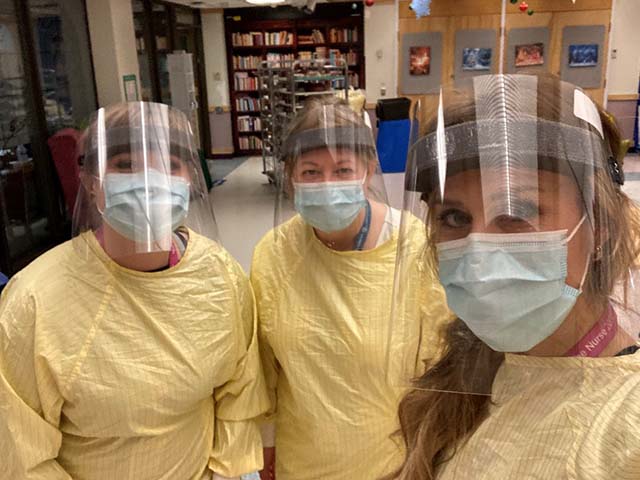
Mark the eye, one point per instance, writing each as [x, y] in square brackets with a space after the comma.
[176, 166]
[454, 218]
[122, 163]
[345, 171]
[310, 172]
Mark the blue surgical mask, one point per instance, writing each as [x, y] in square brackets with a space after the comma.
[510, 289]
[145, 205]
[330, 206]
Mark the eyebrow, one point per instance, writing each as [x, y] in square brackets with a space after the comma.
[452, 203]
[309, 162]
[345, 160]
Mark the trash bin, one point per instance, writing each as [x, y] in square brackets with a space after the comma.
[393, 133]
[3, 281]
[393, 108]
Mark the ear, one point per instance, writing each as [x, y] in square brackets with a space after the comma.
[86, 181]
[92, 186]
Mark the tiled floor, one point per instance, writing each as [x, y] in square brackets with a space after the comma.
[244, 204]
[244, 207]
[221, 169]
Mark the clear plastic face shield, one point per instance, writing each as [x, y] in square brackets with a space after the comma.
[141, 181]
[534, 243]
[329, 172]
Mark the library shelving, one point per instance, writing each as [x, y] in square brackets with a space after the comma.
[253, 37]
[284, 87]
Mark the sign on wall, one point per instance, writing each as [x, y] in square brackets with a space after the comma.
[130, 88]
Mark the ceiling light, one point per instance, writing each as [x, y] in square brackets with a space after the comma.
[264, 2]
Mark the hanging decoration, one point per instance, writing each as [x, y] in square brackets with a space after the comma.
[524, 6]
[422, 8]
[369, 3]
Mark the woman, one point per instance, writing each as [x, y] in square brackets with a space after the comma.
[130, 352]
[323, 283]
[537, 251]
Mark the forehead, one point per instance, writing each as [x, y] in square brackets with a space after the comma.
[497, 186]
[327, 157]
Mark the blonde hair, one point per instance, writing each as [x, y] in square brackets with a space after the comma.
[313, 116]
[434, 420]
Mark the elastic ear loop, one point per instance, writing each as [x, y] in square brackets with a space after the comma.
[588, 261]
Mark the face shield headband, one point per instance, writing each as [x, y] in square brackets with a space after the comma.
[356, 138]
[124, 139]
[527, 143]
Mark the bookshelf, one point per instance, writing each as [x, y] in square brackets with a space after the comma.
[253, 37]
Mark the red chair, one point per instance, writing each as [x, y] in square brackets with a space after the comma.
[65, 151]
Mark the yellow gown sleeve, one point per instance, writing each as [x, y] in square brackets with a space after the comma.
[434, 316]
[270, 364]
[424, 303]
[237, 445]
[30, 403]
[271, 371]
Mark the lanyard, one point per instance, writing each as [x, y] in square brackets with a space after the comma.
[174, 256]
[597, 339]
[362, 235]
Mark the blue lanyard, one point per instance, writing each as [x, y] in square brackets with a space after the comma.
[362, 235]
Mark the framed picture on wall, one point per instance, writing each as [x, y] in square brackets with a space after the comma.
[419, 60]
[474, 59]
[421, 63]
[583, 55]
[529, 55]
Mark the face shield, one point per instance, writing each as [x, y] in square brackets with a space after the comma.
[518, 193]
[141, 181]
[329, 173]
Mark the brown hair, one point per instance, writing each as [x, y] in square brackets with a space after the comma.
[434, 419]
[121, 116]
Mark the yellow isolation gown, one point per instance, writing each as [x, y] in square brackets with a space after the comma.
[557, 418]
[108, 373]
[324, 322]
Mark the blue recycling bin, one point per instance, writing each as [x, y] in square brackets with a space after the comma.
[392, 144]
[393, 133]
[3, 281]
